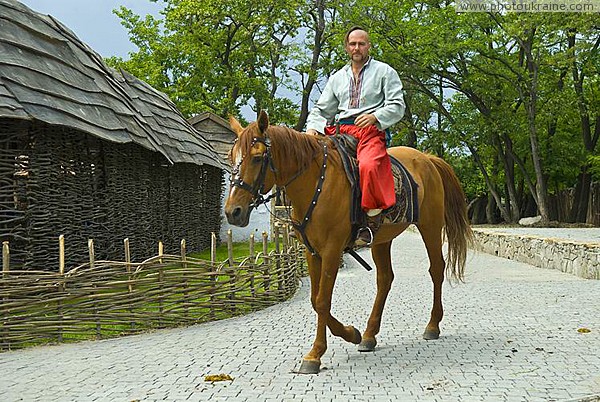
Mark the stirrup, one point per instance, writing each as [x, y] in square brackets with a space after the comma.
[361, 241]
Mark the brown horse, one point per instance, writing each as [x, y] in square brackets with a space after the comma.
[264, 156]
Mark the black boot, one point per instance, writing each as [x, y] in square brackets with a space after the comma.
[367, 233]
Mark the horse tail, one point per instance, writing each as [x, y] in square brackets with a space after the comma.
[457, 229]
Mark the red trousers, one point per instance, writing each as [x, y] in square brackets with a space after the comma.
[374, 166]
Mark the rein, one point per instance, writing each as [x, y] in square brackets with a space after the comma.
[257, 188]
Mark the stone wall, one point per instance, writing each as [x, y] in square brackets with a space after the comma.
[573, 257]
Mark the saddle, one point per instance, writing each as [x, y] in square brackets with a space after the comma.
[406, 208]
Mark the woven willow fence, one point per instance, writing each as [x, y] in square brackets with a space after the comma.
[101, 299]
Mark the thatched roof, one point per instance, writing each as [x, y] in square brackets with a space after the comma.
[47, 74]
[216, 130]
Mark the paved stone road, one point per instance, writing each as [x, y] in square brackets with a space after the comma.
[509, 334]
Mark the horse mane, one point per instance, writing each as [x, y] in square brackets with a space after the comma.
[292, 149]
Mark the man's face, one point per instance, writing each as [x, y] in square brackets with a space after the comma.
[358, 46]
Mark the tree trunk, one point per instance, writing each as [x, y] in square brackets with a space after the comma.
[581, 197]
[579, 209]
[314, 64]
[490, 210]
[411, 140]
[509, 175]
[490, 185]
[531, 107]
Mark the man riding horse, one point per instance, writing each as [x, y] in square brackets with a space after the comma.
[311, 171]
[367, 96]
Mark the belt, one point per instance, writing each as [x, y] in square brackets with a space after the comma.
[350, 121]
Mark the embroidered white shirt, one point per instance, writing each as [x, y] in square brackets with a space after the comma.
[379, 91]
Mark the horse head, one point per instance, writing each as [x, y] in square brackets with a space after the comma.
[252, 169]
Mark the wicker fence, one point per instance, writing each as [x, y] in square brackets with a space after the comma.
[101, 299]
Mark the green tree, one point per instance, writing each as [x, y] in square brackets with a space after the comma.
[217, 55]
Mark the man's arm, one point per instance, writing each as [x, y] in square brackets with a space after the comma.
[394, 105]
[323, 111]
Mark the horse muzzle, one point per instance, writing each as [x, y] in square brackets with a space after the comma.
[238, 215]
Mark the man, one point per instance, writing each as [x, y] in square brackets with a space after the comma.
[367, 96]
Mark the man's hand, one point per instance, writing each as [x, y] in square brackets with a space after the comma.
[312, 131]
[365, 120]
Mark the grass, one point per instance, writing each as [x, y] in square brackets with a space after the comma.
[240, 250]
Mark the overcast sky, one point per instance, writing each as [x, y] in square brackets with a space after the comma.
[94, 22]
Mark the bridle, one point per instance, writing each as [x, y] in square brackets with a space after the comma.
[257, 188]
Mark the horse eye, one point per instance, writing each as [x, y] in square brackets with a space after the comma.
[257, 159]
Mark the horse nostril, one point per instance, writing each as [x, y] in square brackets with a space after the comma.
[237, 211]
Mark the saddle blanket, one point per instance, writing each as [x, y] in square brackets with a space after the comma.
[407, 199]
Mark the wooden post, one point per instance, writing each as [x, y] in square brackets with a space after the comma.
[92, 255]
[5, 258]
[213, 249]
[285, 266]
[185, 282]
[128, 262]
[265, 243]
[212, 275]
[183, 253]
[91, 252]
[61, 286]
[161, 251]
[129, 286]
[266, 262]
[285, 237]
[278, 268]
[61, 254]
[161, 277]
[230, 248]
[276, 238]
[230, 271]
[251, 266]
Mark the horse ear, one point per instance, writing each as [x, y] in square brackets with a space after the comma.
[263, 121]
[235, 125]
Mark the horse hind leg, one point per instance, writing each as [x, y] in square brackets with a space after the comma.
[385, 276]
[432, 238]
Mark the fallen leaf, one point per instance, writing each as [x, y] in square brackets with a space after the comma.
[218, 377]
[584, 330]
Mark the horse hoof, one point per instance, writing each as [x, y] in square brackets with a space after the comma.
[367, 345]
[309, 367]
[431, 335]
[357, 337]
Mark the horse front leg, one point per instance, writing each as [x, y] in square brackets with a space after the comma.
[323, 272]
[385, 276]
